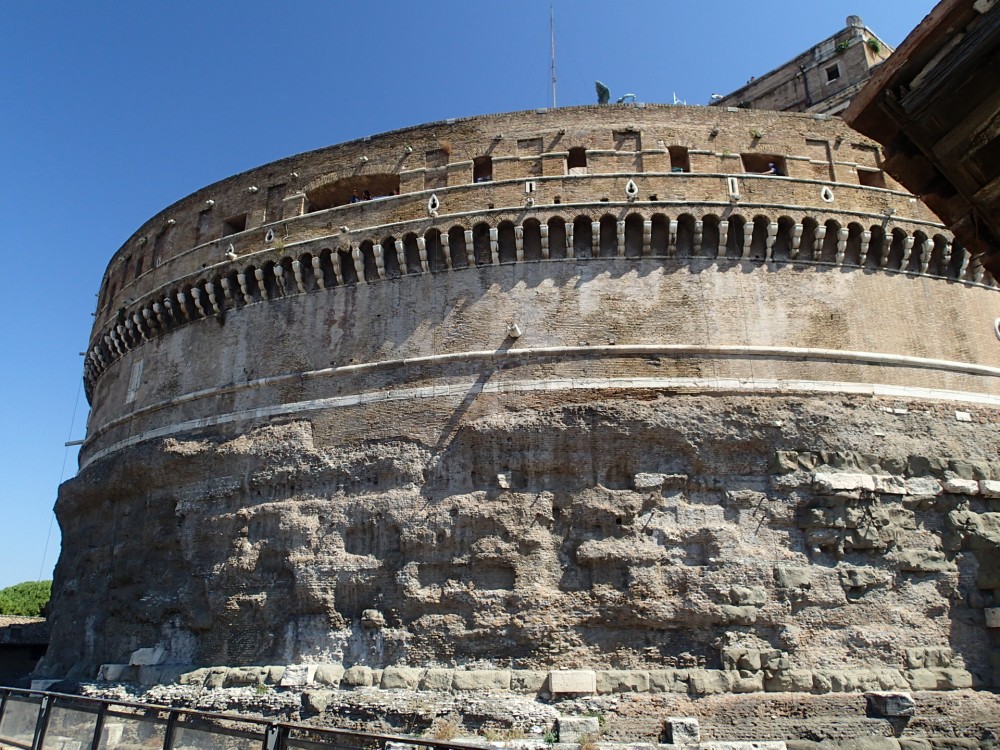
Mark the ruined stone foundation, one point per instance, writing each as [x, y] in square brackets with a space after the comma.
[670, 542]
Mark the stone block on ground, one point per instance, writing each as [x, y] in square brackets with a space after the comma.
[622, 681]
[890, 704]
[574, 728]
[216, 677]
[668, 680]
[400, 678]
[480, 679]
[438, 679]
[528, 680]
[148, 657]
[329, 674]
[583, 681]
[274, 673]
[790, 681]
[171, 674]
[148, 676]
[753, 683]
[242, 676]
[194, 676]
[357, 676]
[679, 730]
[317, 701]
[708, 681]
[113, 672]
[298, 675]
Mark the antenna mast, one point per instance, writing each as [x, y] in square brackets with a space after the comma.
[552, 47]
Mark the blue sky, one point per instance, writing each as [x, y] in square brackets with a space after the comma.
[109, 112]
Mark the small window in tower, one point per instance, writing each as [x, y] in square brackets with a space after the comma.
[833, 73]
[871, 177]
[234, 225]
[482, 169]
[138, 267]
[679, 159]
[576, 161]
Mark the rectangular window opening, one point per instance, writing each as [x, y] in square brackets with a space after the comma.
[871, 177]
[770, 164]
[833, 73]
[234, 225]
[679, 159]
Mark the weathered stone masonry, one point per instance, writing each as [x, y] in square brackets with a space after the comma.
[587, 394]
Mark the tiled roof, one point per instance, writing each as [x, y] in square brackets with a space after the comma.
[17, 630]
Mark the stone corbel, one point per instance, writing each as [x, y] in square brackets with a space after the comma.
[359, 264]
[796, 241]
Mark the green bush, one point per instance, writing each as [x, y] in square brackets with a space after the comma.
[28, 598]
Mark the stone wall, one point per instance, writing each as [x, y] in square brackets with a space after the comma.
[698, 432]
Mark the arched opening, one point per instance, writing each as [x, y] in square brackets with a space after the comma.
[783, 242]
[270, 284]
[852, 253]
[958, 253]
[506, 242]
[187, 308]
[685, 236]
[829, 252]
[633, 236]
[557, 237]
[710, 236]
[758, 241]
[917, 254]
[896, 249]
[353, 189]
[609, 237]
[368, 258]
[287, 283]
[482, 169]
[807, 244]
[435, 251]
[659, 237]
[250, 281]
[412, 254]
[456, 243]
[481, 243]
[306, 270]
[389, 258]
[938, 266]
[734, 239]
[583, 237]
[576, 161]
[532, 239]
[875, 246]
[347, 268]
[233, 282]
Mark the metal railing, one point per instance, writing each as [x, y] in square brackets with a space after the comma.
[34, 720]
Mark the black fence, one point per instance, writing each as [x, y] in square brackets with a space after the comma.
[33, 720]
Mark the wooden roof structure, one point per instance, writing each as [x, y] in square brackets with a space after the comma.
[934, 105]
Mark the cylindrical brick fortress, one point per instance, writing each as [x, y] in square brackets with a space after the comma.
[662, 390]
